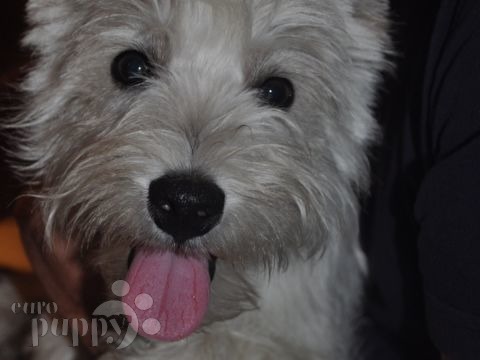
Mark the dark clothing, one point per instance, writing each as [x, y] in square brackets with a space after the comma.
[421, 225]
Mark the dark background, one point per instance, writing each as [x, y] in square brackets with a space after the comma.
[12, 63]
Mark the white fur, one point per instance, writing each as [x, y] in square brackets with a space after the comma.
[288, 242]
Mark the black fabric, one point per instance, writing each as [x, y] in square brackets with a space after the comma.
[421, 225]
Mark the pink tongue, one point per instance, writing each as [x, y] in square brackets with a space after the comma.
[179, 287]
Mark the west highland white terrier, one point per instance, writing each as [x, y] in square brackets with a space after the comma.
[209, 154]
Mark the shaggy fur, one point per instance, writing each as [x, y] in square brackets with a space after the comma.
[289, 276]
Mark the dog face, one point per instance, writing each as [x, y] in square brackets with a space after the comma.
[231, 130]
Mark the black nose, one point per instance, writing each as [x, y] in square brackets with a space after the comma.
[185, 206]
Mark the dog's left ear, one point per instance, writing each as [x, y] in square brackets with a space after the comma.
[371, 10]
[370, 28]
[59, 269]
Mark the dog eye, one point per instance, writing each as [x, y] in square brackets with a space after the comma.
[277, 92]
[130, 68]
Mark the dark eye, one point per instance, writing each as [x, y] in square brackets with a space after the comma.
[277, 92]
[130, 68]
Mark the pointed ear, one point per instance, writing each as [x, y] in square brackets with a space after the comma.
[45, 9]
[371, 30]
[60, 270]
[374, 11]
[48, 20]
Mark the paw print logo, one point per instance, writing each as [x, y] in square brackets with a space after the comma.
[143, 302]
[113, 310]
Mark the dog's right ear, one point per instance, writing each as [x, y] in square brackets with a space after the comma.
[49, 20]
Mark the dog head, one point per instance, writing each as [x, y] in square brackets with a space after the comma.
[182, 133]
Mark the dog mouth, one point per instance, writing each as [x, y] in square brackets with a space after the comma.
[168, 293]
[212, 266]
[212, 263]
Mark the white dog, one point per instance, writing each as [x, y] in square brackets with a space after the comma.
[210, 153]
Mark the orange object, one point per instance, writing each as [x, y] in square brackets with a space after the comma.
[12, 253]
